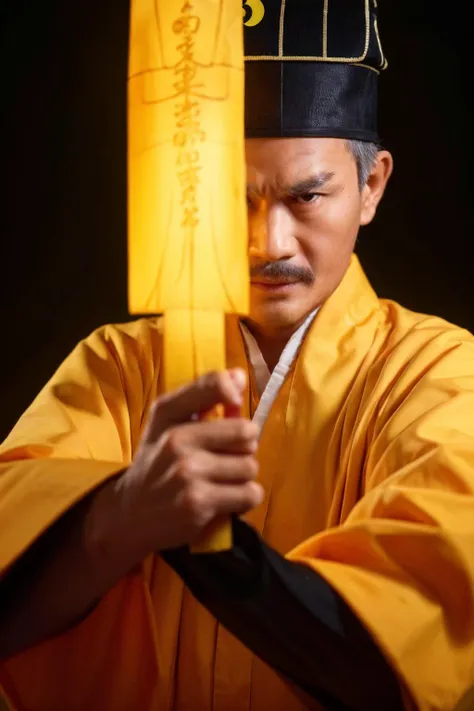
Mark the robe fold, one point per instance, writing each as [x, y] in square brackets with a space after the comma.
[367, 461]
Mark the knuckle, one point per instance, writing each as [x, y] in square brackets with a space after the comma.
[173, 442]
[253, 429]
[194, 503]
[253, 494]
[185, 469]
[244, 429]
[251, 467]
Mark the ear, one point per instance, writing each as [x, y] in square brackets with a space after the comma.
[374, 189]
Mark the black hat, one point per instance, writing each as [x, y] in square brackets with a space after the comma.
[311, 68]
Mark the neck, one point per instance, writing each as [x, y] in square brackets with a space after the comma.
[271, 344]
[271, 351]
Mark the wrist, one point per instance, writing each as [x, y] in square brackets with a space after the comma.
[107, 538]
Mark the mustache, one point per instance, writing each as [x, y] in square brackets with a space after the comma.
[282, 270]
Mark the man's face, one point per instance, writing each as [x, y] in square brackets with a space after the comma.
[304, 212]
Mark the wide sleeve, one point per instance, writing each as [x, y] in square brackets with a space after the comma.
[403, 560]
[80, 430]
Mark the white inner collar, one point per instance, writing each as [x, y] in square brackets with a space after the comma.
[269, 384]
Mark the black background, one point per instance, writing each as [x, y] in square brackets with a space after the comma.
[63, 159]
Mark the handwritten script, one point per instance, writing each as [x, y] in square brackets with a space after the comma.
[189, 133]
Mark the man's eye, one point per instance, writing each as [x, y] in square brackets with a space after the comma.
[307, 198]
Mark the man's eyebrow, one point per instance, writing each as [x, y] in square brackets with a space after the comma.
[314, 182]
[302, 187]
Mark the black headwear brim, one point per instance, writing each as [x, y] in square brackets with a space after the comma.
[305, 99]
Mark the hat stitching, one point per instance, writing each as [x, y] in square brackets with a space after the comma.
[345, 60]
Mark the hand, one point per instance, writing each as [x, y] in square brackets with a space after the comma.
[187, 472]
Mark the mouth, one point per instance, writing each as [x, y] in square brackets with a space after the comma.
[276, 286]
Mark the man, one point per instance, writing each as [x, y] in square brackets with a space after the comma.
[351, 580]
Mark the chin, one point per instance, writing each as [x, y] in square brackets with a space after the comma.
[276, 316]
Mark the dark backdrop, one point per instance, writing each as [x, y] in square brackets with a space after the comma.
[63, 158]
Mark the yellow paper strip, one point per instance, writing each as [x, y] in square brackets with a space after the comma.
[187, 200]
[194, 344]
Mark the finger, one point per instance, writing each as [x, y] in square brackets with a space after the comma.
[206, 502]
[226, 468]
[236, 499]
[225, 387]
[204, 467]
[237, 436]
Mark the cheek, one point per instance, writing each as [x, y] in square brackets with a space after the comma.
[330, 234]
[340, 216]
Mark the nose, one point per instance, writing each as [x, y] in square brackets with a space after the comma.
[270, 233]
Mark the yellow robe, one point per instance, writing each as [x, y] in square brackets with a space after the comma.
[367, 460]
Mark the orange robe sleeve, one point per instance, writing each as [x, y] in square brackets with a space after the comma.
[404, 557]
[80, 430]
